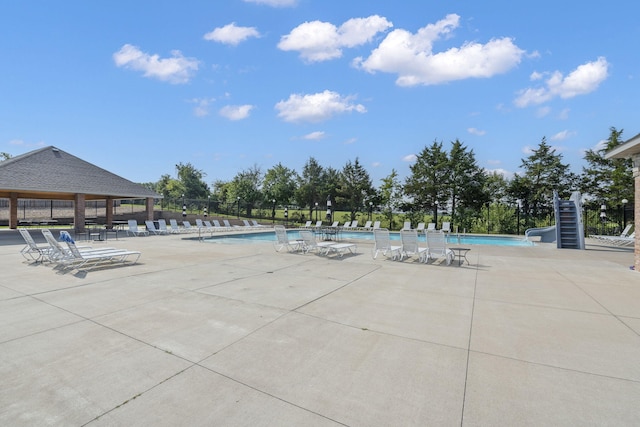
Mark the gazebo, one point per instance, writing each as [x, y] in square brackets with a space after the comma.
[631, 149]
[53, 174]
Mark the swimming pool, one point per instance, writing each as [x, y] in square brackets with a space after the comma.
[452, 239]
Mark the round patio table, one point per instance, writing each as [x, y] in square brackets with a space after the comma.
[462, 253]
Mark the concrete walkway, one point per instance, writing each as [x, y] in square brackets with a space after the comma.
[203, 334]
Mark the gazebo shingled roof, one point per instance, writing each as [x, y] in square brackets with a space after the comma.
[50, 173]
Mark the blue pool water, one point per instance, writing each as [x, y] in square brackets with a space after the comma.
[452, 239]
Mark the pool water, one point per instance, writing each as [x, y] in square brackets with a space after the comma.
[452, 239]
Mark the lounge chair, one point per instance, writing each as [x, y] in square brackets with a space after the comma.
[306, 225]
[407, 225]
[59, 254]
[32, 251]
[175, 228]
[335, 224]
[282, 240]
[246, 224]
[218, 227]
[135, 230]
[376, 225]
[431, 226]
[446, 227]
[255, 224]
[151, 227]
[625, 233]
[188, 227]
[437, 246]
[229, 226]
[420, 227]
[383, 244]
[367, 226]
[354, 225]
[78, 258]
[162, 226]
[619, 241]
[311, 244]
[410, 245]
[318, 225]
[346, 225]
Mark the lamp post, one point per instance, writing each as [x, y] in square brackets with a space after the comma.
[370, 210]
[286, 216]
[184, 208]
[238, 198]
[316, 211]
[518, 207]
[206, 212]
[329, 208]
[624, 213]
[435, 213]
[603, 216]
[273, 212]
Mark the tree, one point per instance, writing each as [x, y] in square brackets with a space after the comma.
[427, 184]
[280, 184]
[390, 196]
[246, 188]
[4, 156]
[607, 181]
[355, 187]
[466, 183]
[192, 181]
[544, 172]
[310, 184]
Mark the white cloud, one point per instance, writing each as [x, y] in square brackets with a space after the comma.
[583, 80]
[410, 158]
[202, 106]
[411, 56]
[351, 141]
[321, 41]
[543, 111]
[505, 173]
[527, 149]
[231, 34]
[561, 136]
[177, 69]
[236, 112]
[274, 3]
[474, 131]
[376, 164]
[316, 107]
[314, 136]
[564, 114]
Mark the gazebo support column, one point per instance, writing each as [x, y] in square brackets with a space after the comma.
[149, 206]
[79, 213]
[13, 211]
[109, 210]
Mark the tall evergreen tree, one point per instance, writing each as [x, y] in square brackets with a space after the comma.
[427, 184]
[466, 181]
[310, 185]
[607, 181]
[355, 187]
[390, 196]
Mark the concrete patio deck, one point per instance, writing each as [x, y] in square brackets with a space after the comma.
[204, 334]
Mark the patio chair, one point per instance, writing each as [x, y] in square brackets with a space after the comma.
[151, 227]
[367, 226]
[411, 246]
[431, 226]
[407, 225]
[175, 228]
[282, 240]
[229, 226]
[446, 227]
[437, 246]
[218, 227]
[420, 227]
[59, 254]
[162, 226]
[376, 225]
[346, 225]
[78, 258]
[382, 243]
[310, 243]
[624, 233]
[306, 225]
[135, 230]
[32, 251]
[255, 224]
[186, 226]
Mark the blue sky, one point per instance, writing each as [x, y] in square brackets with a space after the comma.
[136, 87]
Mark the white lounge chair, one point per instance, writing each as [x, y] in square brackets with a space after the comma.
[411, 246]
[311, 244]
[229, 226]
[446, 227]
[420, 227]
[255, 224]
[625, 233]
[376, 225]
[32, 251]
[186, 226]
[151, 227]
[282, 240]
[407, 225]
[306, 225]
[437, 246]
[218, 227]
[135, 230]
[367, 226]
[383, 244]
[59, 254]
[175, 228]
[354, 225]
[78, 258]
[346, 225]
[162, 226]
[431, 226]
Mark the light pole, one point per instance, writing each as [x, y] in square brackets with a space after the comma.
[329, 208]
[316, 211]
[273, 212]
[238, 206]
[184, 208]
[624, 213]
[518, 207]
[370, 210]
[603, 216]
[206, 212]
[286, 216]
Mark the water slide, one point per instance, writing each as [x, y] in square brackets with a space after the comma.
[568, 232]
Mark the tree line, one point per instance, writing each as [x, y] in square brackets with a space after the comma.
[442, 181]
